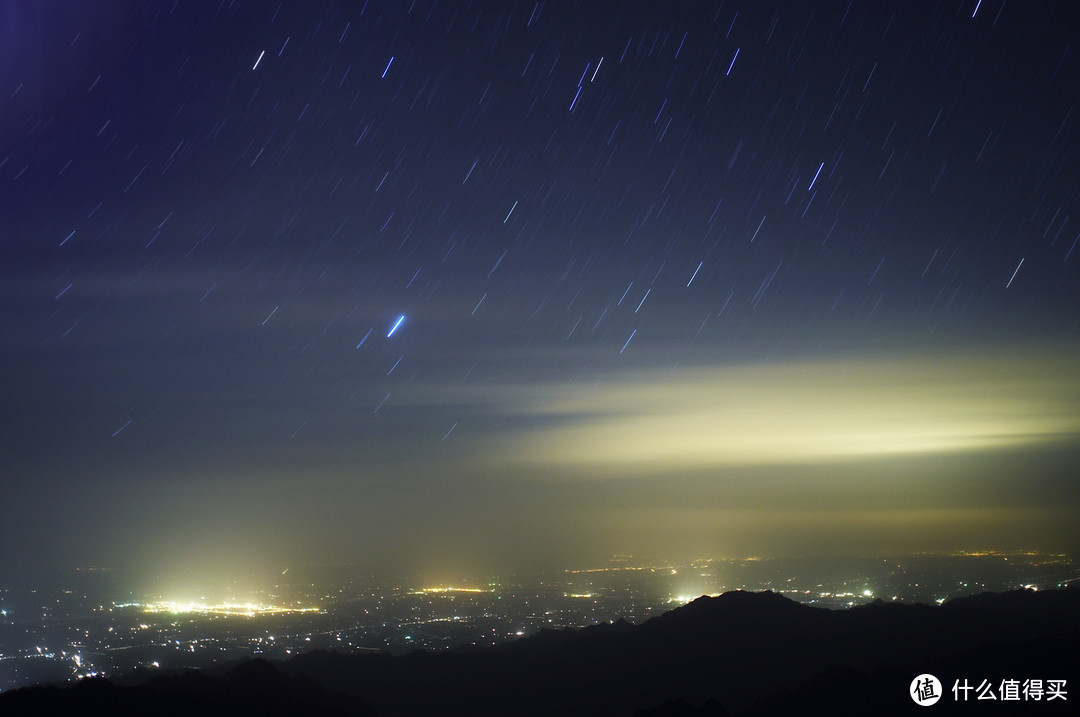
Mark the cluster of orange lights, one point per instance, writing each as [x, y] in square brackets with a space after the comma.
[244, 609]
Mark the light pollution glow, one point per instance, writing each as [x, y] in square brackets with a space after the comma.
[804, 413]
[856, 454]
[232, 609]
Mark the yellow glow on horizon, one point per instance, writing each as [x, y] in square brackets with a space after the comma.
[800, 413]
[450, 589]
[244, 609]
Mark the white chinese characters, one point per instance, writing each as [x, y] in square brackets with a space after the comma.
[1008, 690]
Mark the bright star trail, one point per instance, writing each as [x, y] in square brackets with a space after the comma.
[395, 326]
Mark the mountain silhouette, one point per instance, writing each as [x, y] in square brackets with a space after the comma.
[252, 687]
[737, 654]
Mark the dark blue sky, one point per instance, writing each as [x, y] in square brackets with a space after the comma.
[663, 266]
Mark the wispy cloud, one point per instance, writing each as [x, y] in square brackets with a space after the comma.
[798, 413]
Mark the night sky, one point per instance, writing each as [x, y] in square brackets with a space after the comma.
[463, 286]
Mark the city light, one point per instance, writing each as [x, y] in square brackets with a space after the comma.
[246, 609]
[92, 634]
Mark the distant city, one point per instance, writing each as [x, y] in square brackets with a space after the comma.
[84, 622]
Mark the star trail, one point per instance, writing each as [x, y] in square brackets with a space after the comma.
[680, 278]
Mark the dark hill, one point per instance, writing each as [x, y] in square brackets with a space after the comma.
[740, 653]
[253, 687]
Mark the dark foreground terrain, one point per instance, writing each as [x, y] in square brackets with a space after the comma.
[740, 653]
